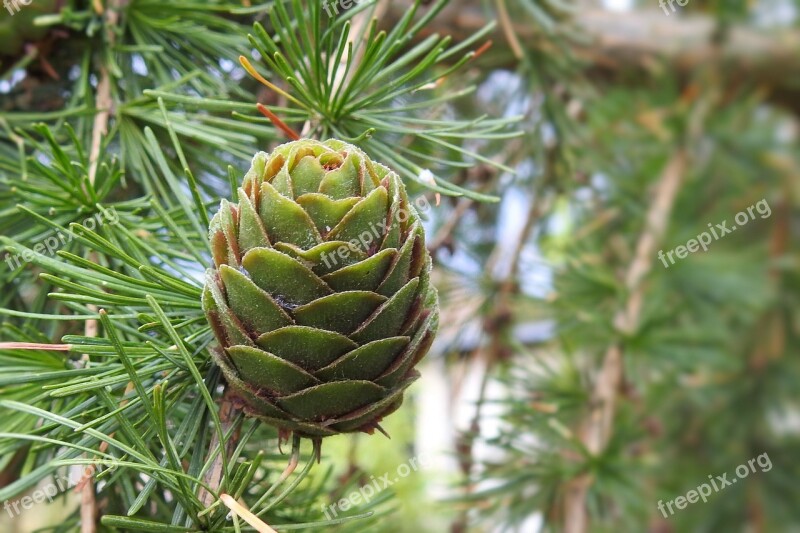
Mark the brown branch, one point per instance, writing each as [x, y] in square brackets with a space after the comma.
[465, 443]
[597, 428]
[100, 127]
[104, 104]
[497, 325]
[484, 179]
[359, 30]
[612, 43]
[228, 416]
[445, 232]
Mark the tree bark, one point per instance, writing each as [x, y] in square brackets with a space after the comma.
[643, 41]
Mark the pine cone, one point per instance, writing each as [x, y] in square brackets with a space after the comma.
[321, 297]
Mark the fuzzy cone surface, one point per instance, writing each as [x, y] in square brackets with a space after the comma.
[320, 297]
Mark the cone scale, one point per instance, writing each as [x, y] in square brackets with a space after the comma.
[320, 295]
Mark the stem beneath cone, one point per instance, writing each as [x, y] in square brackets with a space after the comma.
[228, 418]
[290, 468]
[293, 461]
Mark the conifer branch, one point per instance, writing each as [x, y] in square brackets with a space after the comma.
[597, 428]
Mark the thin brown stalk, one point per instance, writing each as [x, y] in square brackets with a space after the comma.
[228, 417]
[104, 103]
[508, 29]
[35, 346]
[597, 428]
[445, 232]
[497, 328]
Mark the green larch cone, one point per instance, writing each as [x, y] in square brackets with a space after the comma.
[320, 297]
